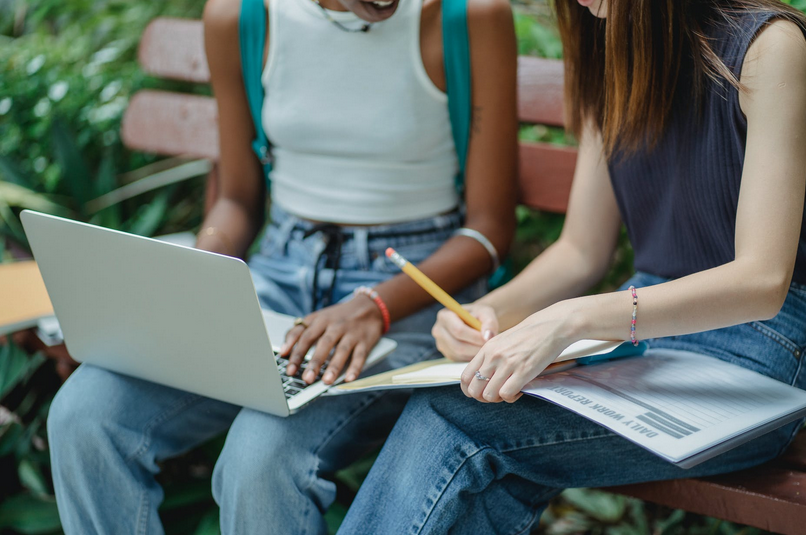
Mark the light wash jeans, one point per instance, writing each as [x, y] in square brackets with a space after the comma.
[108, 431]
[454, 465]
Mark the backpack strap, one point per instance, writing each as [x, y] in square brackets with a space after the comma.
[456, 50]
[252, 39]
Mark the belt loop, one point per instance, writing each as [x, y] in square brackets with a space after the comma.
[286, 228]
[361, 245]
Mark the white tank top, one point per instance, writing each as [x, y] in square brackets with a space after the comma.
[360, 133]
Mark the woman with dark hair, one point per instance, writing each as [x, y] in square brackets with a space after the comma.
[691, 116]
[360, 120]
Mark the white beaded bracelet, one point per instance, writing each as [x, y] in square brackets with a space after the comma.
[482, 239]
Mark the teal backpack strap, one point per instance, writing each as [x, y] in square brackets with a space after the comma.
[456, 50]
[252, 38]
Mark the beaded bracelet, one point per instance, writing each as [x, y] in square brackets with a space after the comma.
[634, 315]
[372, 294]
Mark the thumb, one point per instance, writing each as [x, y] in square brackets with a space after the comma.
[489, 324]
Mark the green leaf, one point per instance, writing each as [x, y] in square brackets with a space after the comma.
[22, 197]
[194, 492]
[10, 172]
[209, 524]
[75, 171]
[16, 367]
[149, 217]
[10, 436]
[30, 515]
[32, 478]
[105, 182]
[602, 506]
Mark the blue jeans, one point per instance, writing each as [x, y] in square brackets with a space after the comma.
[452, 465]
[108, 432]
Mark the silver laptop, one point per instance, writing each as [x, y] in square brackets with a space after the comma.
[166, 313]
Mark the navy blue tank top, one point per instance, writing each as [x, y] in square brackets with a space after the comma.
[679, 200]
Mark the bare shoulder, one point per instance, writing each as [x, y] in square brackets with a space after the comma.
[779, 49]
[221, 19]
[489, 14]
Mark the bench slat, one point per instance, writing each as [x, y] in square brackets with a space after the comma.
[768, 498]
[540, 91]
[174, 48]
[545, 173]
[172, 124]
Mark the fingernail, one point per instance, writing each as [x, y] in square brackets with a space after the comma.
[350, 377]
[308, 376]
[290, 369]
[328, 377]
[487, 335]
[283, 348]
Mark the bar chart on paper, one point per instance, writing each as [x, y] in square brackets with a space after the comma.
[681, 406]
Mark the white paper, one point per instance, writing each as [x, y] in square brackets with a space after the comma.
[674, 403]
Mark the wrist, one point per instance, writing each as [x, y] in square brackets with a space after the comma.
[379, 308]
[573, 319]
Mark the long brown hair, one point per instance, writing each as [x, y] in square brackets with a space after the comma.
[623, 73]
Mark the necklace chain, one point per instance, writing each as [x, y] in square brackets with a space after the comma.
[363, 29]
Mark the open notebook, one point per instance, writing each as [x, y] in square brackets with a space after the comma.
[443, 372]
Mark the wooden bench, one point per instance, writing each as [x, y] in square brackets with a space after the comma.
[768, 497]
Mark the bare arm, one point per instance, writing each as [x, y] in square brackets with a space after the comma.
[752, 287]
[576, 261]
[238, 212]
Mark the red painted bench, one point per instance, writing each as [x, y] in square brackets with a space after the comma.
[771, 497]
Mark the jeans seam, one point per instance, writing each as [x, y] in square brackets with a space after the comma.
[419, 529]
[142, 517]
[441, 492]
[605, 433]
[528, 525]
[347, 419]
[774, 335]
[160, 418]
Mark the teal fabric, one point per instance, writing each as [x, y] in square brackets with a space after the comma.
[252, 39]
[252, 36]
[456, 46]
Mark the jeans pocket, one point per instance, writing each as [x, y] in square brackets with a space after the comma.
[788, 344]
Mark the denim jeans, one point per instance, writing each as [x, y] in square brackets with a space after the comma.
[109, 432]
[453, 465]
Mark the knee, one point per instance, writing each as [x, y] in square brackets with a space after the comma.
[79, 414]
[259, 453]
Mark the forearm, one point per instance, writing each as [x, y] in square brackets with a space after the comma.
[561, 272]
[235, 228]
[727, 295]
[455, 265]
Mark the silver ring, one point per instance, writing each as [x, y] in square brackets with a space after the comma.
[480, 377]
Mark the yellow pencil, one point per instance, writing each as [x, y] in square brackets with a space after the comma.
[431, 287]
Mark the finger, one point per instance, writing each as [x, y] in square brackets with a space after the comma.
[492, 390]
[308, 338]
[477, 386]
[469, 372]
[453, 349]
[360, 353]
[291, 338]
[324, 347]
[458, 329]
[511, 390]
[489, 322]
[338, 359]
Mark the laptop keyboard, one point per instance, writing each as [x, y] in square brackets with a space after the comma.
[292, 385]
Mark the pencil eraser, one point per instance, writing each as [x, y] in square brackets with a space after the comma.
[389, 252]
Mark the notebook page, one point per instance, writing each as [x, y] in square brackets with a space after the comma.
[673, 403]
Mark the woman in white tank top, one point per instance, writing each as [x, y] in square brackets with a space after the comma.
[363, 159]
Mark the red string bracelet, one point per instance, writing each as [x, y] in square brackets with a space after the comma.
[372, 294]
